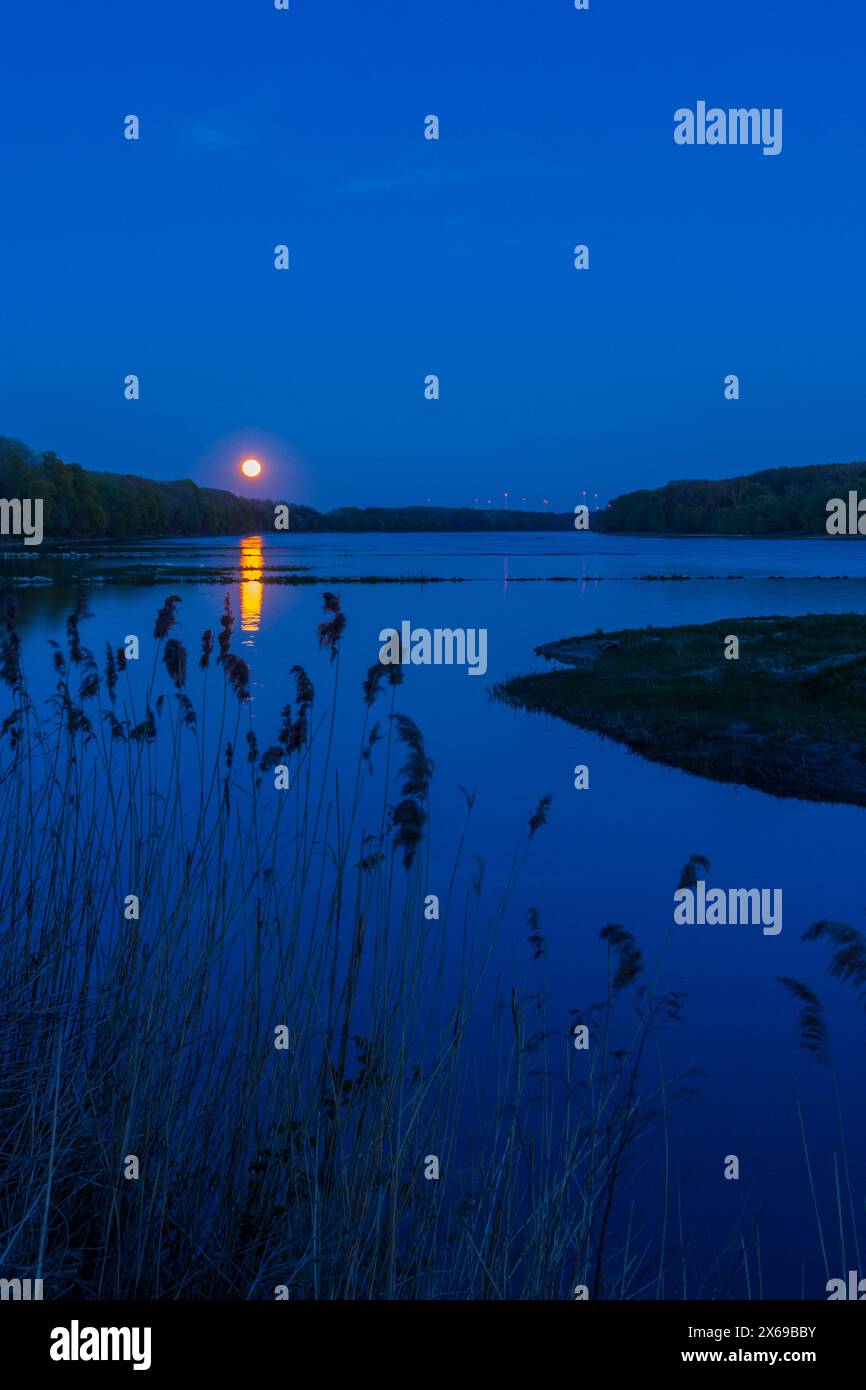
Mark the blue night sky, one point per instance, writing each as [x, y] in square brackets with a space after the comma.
[411, 256]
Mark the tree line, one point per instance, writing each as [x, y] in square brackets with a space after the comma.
[80, 504]
[778, 501]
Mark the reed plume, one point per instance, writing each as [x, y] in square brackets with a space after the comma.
[629, 959]
[331, 629]
[814, 1037]
[848, 961]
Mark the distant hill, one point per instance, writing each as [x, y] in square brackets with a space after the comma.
[79, 504]
[777, 502]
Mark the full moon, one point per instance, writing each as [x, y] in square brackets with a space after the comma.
[251, 468]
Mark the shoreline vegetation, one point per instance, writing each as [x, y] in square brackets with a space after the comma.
[86, 506]
[786, 503]
[57, 567]
[787, 717]
[82, 505]
[50, 565]
[152, 576]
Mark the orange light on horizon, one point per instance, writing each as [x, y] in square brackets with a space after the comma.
[251, 468]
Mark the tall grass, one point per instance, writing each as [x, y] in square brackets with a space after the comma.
[153, 1035]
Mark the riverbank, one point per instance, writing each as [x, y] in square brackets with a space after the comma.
[786, 716]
